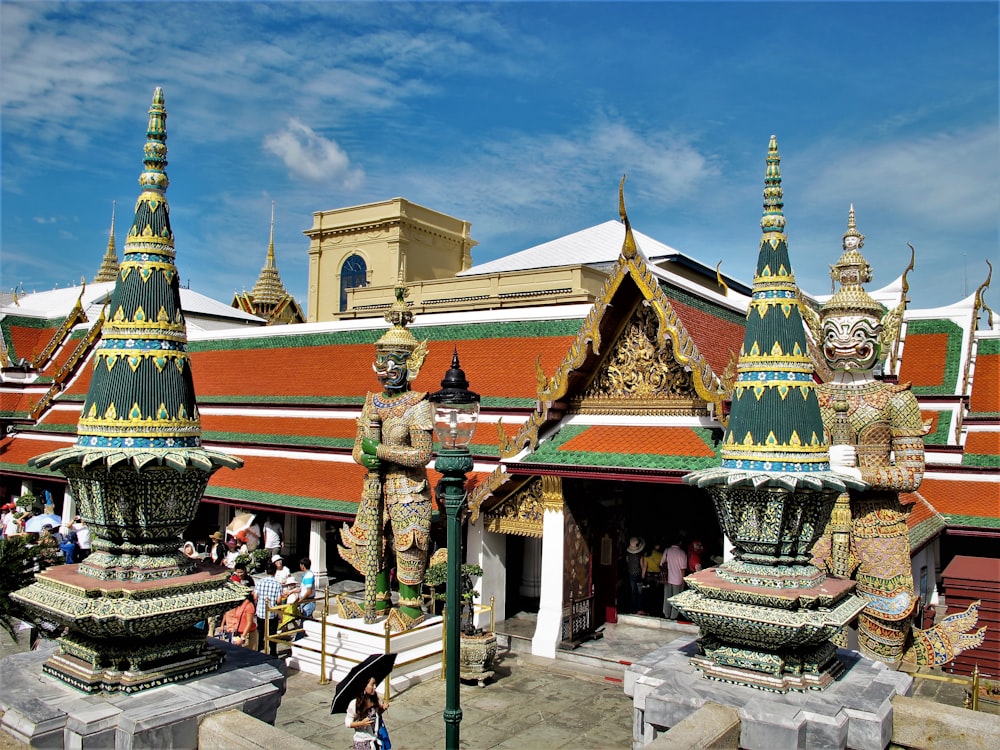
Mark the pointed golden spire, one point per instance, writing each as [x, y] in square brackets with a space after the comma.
[109, 264]
[268, 292]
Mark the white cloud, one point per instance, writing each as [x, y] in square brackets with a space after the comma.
[311, 156]
[946, 177]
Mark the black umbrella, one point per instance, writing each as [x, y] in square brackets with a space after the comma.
[377, 665]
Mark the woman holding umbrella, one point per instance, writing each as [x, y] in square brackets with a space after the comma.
[356, 695]
[364, 716]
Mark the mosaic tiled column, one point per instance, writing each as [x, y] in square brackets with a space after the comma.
[138, 472]
[767, 616]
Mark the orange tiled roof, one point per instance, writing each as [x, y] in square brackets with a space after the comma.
[963, 497]
[986, 385]
[618, 438]
[716, 337]
[923, 359]
[983, 443]
[28, 342]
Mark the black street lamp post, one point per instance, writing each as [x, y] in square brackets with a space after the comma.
[456, 411]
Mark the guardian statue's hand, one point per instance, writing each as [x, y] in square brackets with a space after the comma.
[369, 461]
[369, 445]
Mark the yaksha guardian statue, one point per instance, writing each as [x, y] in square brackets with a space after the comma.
[394, 442]
[876, 434]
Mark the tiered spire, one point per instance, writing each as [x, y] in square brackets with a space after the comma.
[775, 432]
[141, 399]
[268, 292]
[109, 264]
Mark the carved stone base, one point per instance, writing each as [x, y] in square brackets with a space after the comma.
[775, 671]
[94, 667]
[129, 610]
[477, 653]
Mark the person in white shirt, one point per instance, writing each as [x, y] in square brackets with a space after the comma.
[281, 572]
[82, 537]
[272, 537]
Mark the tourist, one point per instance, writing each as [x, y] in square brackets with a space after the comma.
[239, 624]
[82, 538]
[695, 552]
[268, 593]
[675, 561]
[189, 551]
[364, 716]
[9, 520]
[69, 547]
[307, 589]
[272, 537]
[231, 553]
[217, 550]
[653, 592]
[282, 573]
[635, 564]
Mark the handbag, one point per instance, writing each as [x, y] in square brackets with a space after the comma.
[382, 738]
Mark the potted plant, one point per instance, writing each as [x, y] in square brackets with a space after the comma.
[478, 647]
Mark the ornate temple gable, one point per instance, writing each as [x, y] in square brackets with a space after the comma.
[661, 333]
[522, 511]
[638, 377]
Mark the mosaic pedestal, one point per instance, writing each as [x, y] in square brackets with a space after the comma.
[46, 713]
[768, 636]
[854, 711]
[349, 641]
[130, 635]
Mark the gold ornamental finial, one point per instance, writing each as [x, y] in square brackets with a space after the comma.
[628, 246]
[851, 271]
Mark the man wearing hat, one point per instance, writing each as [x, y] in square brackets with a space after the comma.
[636, 565]
[217, 552]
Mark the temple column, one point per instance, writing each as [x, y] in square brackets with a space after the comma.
[317, 552]
[548, 631]
[68, 507]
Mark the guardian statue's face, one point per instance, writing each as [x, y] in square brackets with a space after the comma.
[391, 371]
[850, 342]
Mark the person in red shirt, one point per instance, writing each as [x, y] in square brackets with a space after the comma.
[239, 624]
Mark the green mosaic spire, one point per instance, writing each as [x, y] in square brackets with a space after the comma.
[775, 423]
[141, 396]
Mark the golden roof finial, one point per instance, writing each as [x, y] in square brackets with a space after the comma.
[628, 246]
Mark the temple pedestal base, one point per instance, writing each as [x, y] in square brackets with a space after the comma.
[854, 711]
[98, 667]
[45, 712]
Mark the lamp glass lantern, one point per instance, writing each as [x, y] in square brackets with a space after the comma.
[456, 409]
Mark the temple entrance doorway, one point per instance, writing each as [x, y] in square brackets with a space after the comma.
[602, 517]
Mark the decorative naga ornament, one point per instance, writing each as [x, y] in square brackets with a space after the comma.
[138, 472]
[395, 441]
[767, 616]
[876, 434]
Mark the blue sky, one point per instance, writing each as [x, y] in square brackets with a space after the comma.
[518, 117]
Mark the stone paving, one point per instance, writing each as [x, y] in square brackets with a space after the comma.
[529, 703]
[576, 700]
